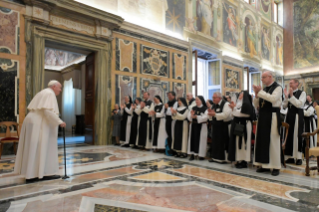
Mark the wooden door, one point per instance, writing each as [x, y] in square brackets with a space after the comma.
[89, 99]
[315, 93]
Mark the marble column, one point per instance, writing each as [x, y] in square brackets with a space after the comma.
[38, 64]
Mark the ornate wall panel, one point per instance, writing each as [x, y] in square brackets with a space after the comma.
[125, 55]
[179, 66]
[125, 86]
[155, 88]
[154, 61]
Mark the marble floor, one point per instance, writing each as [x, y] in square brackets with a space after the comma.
[108, 178]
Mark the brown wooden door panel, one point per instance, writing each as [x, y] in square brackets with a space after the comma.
[315, 93]
[89, 99]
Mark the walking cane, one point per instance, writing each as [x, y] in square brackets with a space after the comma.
[65, 175]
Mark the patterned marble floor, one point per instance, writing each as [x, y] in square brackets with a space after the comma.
[111, 178]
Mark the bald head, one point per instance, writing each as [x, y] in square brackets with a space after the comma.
[189, 96]
[267, 78]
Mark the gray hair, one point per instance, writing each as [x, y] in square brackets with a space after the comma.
[53, 83]
[218, 94]
[270, 73]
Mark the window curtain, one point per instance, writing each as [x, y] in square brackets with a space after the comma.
[68, 102]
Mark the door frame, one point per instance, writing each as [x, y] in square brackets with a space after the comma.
[102, 49]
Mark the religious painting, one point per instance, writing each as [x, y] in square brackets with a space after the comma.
[179, 89]
[250, 37]
[9, 31]
[154, 61]
[175, 16]
[59, 58]
[9, 89]
[230, 24]
[126, 52]
[265, 42]
[306, 34]
[232, 79]
[179, 66]
[205, 17]
[155, 87]
[124, 86]
[279, 50]
[265, 8]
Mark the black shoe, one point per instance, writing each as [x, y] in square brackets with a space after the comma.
[275, 172]
[241, 165]
[32, 180]
[52, 177]
[290, 160]
[191, 157]
[201, 158]
[211, 160]
[177, 156]
[299, 162]
[117, 144]
[135, 147]
[260, 170]
[125, 145]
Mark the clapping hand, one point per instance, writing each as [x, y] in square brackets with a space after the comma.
[152, 113]
[232, 105]
[193, 114]
[166, 106]
[291, 92]
[173, 111]
[286, 93]
[122, 106]
[133, 106]
[142, 105]
[211, 112]
[256, 89]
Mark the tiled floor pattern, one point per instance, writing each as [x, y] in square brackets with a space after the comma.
[118, 179]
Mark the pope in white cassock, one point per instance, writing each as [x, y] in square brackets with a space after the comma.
[37, 156]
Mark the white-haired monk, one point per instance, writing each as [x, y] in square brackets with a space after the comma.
[37, 156]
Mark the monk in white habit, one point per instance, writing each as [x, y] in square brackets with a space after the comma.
[267, 146]
[37, 156]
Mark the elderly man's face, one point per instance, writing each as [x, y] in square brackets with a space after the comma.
[266, 78]
[293, 84]
[216, 99]
[189, 97]
[57, 89]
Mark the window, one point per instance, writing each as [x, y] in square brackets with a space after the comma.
[247, 1]
[275, 12]
[213, 78]
[281, 14]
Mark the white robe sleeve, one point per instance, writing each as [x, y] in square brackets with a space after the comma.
[52, 117]
[203, 117]
[160, 114]
[298, 103]
[148, 109]
[309, 112]
[237, 113]
[274, 97]
[225, 114]
[180, 116]
[256, 102]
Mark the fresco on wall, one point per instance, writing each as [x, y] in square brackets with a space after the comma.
[250, 37]
[265, 42]
[125, 55]
[179, 89]
[124, 86]
[179, 66]
[175, 16]
[9, 31]
[265, 8]
[8, 87]
[230, 24]
[306, 33]
[205, 17]
[279, 50]
[155, 88]
[155, 61]
[232, 79]
[54, 57]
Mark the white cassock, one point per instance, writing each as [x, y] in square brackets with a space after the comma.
[202, 119]
[37, 154]
[160, 131]
[274, 150]
[298, 103]
[191, 105]
[309, 111]
[243, 154]
[137, 111]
